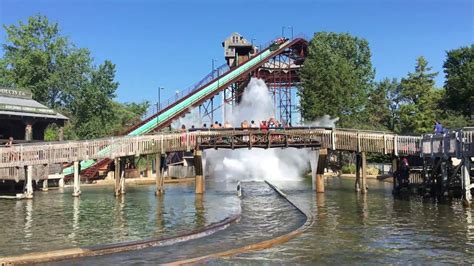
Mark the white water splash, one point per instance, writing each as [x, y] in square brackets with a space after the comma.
[256, 164]
[324, 121]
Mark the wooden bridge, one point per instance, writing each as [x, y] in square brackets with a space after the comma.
[21, 162]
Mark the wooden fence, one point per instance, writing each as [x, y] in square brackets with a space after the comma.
[69, 151]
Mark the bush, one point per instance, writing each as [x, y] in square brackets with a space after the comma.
[351, 169]
[348, 169]
[372, 171]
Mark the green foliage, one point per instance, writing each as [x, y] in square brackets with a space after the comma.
[459, 84]
[348, 169]
[51, 133]
[64, 77]
[420, 99]
[384, 102]
[337, 80]
[127, 115]
[372, 171]
[337, 77]
[33, 54]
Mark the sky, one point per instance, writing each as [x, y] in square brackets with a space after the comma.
[171, 44]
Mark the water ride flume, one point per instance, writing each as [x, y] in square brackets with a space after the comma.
[191, 99]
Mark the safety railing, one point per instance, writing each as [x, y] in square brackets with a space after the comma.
[468, 141]
[456, 143]
[336, 139]
[154, 108]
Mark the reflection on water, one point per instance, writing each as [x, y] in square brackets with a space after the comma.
[348, 228]
[265, 215]
[353, 228]
[56, 220]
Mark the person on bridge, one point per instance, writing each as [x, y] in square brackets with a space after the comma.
[9, 143]
[215, 125]
[263, 126]
[438, 128]
[183, 134]
[227, 125]
[253, 125]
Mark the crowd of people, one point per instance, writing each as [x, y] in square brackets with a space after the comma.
[264, 125]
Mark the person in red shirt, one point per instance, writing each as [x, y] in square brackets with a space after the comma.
[263, 126]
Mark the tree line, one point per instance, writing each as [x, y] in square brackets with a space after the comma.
[338, 80]
[64, 77]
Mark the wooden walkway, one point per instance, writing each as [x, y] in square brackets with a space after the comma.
[14, 159]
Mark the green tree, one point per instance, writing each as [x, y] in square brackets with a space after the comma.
[419, 99]
[32, 53]
[459, 84]
[64, 77]
[127, 115]
[92, 108]
[336, 78]
[382, 111]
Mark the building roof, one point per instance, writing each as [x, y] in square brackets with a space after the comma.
[18, 103]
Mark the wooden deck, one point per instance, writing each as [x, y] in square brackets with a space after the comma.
[13, 159]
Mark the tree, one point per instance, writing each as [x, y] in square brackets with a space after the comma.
[419, 99]
[459, 83]
[32, 53]
[92, 107]
[384, 104]
[336, 77]
[64, 77]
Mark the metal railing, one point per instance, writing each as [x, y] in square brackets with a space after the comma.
[181, 94]
[456, 143]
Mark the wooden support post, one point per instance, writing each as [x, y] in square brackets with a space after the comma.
[200, 186]
[444, 178]
[61, 182]
[357, 171]
[122, 179]
[363, 183]
[77, 180]
[29, 182]
[29, 131]
[159, 180]
[394, 171]
[322, 161]
[466, 181]
[45, 184]
[46, 177]
[61, 133]
[118, 166]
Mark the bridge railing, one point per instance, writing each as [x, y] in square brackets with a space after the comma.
[468, 141]
[451, 144]
[337, 139]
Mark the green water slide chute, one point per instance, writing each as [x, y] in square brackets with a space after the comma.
[186, 103]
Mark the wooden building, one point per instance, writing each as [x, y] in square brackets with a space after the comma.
[25, 119]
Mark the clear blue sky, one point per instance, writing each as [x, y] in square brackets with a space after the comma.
[171, 43]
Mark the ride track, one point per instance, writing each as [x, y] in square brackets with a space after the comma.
[195, 97]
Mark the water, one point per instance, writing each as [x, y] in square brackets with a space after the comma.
[262, 214]
[373, 229]
[348, 228]
[56, 220]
